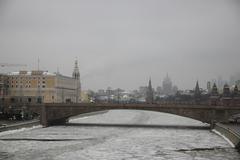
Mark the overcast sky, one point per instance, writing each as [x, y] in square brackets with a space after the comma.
[121, 43]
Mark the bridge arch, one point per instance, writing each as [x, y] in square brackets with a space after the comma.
[135, 117]
[144, 110]
[59, 113]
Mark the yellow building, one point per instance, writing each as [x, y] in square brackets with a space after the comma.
[3, 88]
[42, 86]
[3, 83]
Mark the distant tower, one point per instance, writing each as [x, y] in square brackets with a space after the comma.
[226, 91]
[226, 98]
[235, 91]
[149, 95]
[167, 86]
[236, 96]
[209, 87]
[197, 93]
[214, 98]
[76, 76]
[214, 90]
[220, 83]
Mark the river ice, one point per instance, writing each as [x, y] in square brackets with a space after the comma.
[75, 141]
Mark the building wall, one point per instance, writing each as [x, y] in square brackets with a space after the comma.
[66, 89]
[52, 88]
[2, 80]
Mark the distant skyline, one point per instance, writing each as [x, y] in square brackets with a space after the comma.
[123, 43]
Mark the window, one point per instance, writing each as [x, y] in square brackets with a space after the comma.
[29, 100]
[12, 100]
[68, 100]
[39, 100]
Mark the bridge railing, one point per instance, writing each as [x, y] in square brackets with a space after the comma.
[181, 103]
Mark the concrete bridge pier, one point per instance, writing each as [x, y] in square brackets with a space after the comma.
[43, 116]
[57, 122]
[46, 120]
[212, 124]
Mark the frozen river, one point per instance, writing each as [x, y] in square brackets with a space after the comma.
[153, 139]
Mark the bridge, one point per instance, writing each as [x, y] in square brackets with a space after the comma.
[59, 113]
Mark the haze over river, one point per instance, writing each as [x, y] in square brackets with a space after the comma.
[160, 136]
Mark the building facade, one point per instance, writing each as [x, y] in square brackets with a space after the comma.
[43, 87]
[3, 85]
[3, 88]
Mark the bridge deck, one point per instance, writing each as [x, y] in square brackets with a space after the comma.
[60, 112]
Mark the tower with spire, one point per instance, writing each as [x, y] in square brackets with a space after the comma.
[226, 96]
[197, 93]
[76, 76]
[214, 97]
[236, 95]
[167, 85]
[149, 94]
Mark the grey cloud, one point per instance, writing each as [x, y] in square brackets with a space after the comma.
[122, 43]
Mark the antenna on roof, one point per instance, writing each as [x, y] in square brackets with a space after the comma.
[38, 63]
[57, 70]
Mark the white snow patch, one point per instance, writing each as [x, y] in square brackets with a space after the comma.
[76, 119]
[224, 137]
[19, 130]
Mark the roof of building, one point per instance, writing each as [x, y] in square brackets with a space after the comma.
[28, 73]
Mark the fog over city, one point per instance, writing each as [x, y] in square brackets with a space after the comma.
[123, 43]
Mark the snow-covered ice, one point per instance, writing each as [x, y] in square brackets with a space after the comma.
[111, 143]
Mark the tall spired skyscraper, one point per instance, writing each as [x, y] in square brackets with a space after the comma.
[76, 75]
[167, 86]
